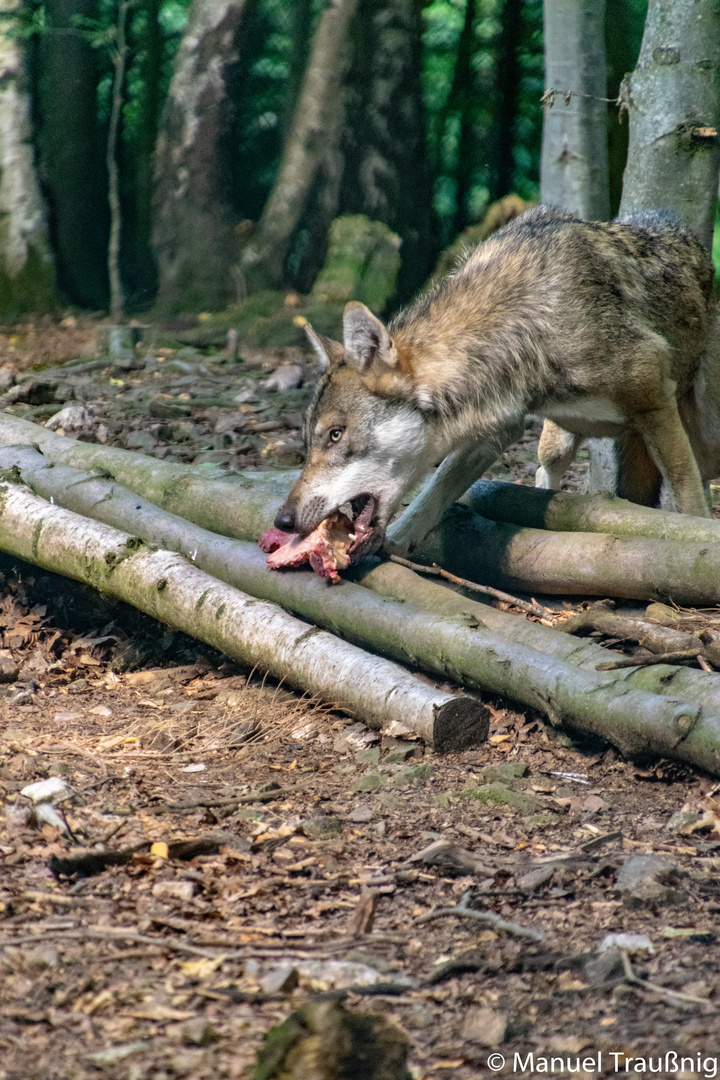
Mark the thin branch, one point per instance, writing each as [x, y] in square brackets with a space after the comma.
[485, 590]
[673, 997]
[481, 916]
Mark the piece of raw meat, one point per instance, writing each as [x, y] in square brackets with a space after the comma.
[328, 548]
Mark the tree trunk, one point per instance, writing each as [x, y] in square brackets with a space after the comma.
[574, 165]
[493, 553]
[507, 94]
[563, 511]
[117, 299]
[457, 645]
[673, 98]
[138, 159]
[71, 156]
[263, 258]
[193, 238]
[624, 23]
[27, 273]
[386, 174]
[170, 588]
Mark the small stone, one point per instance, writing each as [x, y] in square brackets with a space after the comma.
[400, 755]
[369, 782]
[141, 440]
[321, 827]
[631, 943]
[198, 1032]
[484, 1026]
[59, 768]
[25, 697]
[8, 669]
[70, 418]
[604, 966]
[503, 773]
[360, 814]
[175, 890]
[414, 774]
[683, 820]
[281, 979]
[243, 732]
[285, 377]
[500, 794]
[646, 879]
[371, 756]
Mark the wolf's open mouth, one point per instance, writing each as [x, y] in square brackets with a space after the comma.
[360, 511]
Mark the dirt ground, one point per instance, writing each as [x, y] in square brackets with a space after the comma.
[266, 851]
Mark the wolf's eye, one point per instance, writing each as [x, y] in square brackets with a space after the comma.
[335, 434]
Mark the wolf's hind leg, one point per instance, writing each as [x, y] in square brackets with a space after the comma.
[556, 451]
[455, 475]
[669, 447]
[638, 477]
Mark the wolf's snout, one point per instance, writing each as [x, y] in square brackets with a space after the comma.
[285, 519]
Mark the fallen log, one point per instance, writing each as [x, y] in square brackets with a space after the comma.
[395, 582]
[565, 511]
[248, 571]
[166, 586]
[234, 504]
[459, 646]
[499, 555]
[573, 563]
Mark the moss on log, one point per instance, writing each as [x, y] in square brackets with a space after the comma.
[456, 644]
[565, 511]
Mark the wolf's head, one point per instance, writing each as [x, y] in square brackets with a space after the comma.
[366, 439]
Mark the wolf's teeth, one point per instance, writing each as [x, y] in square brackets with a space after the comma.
[346, 509]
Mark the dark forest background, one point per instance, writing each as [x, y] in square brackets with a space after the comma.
[438, 116]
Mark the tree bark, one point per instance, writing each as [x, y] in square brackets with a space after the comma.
[263, 258]
[27, 272]
[117, 299]
[493, 553]
[507, 91]
[139, 199]
[562, 511]
[385, 173]
[168, 587]
[193, 238]
[573, 563]
[673, 96]
[574, 163]
[71, 157]
[458, 644]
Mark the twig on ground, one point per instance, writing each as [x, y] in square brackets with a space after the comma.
[671, 996]
[108, 933]
[437, 571]
[481, 916]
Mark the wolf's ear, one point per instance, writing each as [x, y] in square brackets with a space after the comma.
[366, 339]
[326, 350]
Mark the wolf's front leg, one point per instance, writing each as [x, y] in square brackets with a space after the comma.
[458, 472]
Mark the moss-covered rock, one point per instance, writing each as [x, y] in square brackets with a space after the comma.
[362, 263]
[499, 213]
[30, 290]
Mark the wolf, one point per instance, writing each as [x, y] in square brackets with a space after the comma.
[632, 475]
[597, 327]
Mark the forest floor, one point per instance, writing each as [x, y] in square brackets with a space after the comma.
[305, 867]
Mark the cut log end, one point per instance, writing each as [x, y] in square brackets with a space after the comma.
[459, 724]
